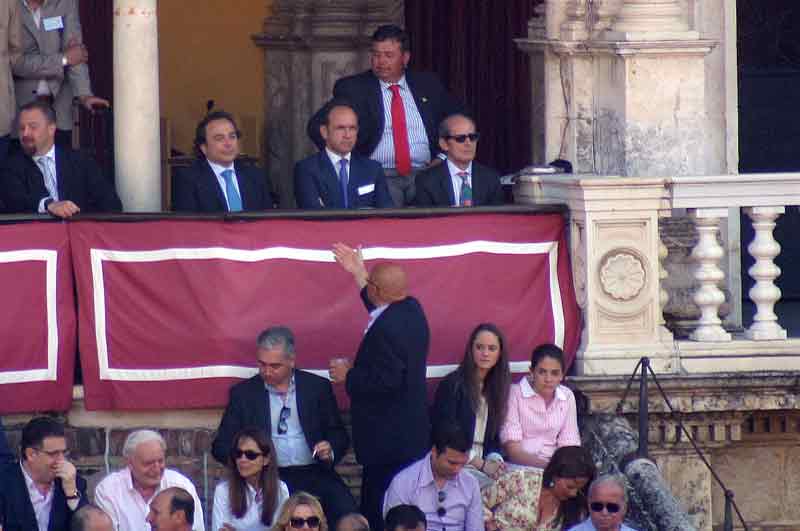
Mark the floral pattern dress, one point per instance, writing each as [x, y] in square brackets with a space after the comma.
[513, 502]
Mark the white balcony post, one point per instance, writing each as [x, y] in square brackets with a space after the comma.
[764, 293]
[707, 253]
[137, 130]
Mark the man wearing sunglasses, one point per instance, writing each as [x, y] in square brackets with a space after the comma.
[460, 181]
[299, 412]
[608, 503]
[43, 490]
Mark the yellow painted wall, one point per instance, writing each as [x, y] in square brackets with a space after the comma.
[206, 52]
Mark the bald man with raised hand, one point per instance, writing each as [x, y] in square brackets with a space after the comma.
[386, 383]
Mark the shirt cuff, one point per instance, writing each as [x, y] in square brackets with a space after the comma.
[42, 206]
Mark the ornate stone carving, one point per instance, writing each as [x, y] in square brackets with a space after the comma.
[622, 276]
[765, 293]
[708, 297]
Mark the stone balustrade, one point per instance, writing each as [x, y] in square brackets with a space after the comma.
[617, 263]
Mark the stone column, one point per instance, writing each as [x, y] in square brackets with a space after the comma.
[137, 144]
[308, 45]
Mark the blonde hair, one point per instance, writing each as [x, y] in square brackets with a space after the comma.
[297, 499]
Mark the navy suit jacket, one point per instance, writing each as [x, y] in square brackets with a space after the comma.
[435, 187]
[16, 509]
[79, 180]
[316, 183]
[196, 189]
[452, 404]
[387, 386]
[363, 92]
[248, 407]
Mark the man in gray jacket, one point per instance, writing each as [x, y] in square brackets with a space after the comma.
[10, 35]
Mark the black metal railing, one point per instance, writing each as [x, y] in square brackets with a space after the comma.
[644, 429]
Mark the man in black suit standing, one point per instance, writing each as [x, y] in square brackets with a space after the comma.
[386, 383]
[43, 490]
[336, 177]
[299, 412]
[46, 178]
[398, 111]
[460, 181]
[216, 181]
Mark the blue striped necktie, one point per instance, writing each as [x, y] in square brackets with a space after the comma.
[234, 199]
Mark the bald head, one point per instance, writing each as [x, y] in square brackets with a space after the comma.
[352, 522]
[91, 518]
[388, 282]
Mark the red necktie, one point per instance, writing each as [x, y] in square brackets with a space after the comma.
[402, 155]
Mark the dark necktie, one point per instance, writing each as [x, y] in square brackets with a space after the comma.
[466, 189]
[343, 180]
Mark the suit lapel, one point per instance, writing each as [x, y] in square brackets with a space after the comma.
[57, 509]
[62, 174]
[260, 402]
[211, 181]
[29, 516]
[245, 191]
[421, 101]
[446, 183]
[329, 188]
[376, 103]
[478, 195]
[302, 394]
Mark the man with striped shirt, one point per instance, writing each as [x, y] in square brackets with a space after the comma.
[398, 111]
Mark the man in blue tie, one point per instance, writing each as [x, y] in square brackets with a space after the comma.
[336, 177]
[217, 181]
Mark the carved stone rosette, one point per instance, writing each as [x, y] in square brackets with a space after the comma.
[308, 45]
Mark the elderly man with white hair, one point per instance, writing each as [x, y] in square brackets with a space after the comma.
[608, 503]
[126, 494]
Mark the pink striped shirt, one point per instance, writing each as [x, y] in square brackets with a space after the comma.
[540, 429]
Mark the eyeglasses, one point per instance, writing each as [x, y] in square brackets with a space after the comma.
[298, 523]
[53, 453]
[251, 455]
[283, 418]
[473, 137]
[442, 496]
[597, 507]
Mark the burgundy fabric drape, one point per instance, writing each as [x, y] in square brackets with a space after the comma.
[469, 43]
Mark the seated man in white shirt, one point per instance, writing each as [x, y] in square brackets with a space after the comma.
[608, 503]
[127, 494]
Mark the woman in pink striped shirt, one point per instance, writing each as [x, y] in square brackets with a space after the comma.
[541, 412]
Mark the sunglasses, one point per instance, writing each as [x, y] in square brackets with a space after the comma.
[283, 418]
[441, 496]
[597, 507]
[473, 137]
[251, 455]
[298, 523]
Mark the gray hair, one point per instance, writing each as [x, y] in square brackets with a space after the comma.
[141, 436]
[82, 517]
[444, 125]
[614, 479]
[277, 336]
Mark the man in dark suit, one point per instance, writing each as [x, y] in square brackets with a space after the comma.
[336, 177]
[460, 181]
[46, 178]
[216, 181]
[386, 384]
[398, 111]
[5, 452]
[299, 412]
[43, 490]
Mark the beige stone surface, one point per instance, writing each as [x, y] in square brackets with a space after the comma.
[755, 475]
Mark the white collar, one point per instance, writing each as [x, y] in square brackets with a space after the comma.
[29, 480]
[335, 158]
[219, 168]
[50, 154]
[402, 82]
[528, 391]
[455, 170]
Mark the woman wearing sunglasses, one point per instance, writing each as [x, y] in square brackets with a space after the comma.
[301, 511]
[526, 499]
[251, 496]
[475, 396]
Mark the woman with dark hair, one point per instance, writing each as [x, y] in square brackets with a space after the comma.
[475, 396]
[541, 412]
[527, 499]
[251, 496]
[301, 511]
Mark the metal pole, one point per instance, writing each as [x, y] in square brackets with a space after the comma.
[643, 410]
[727, 524]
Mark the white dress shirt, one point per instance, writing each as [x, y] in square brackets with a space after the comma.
[417, 136]
[42, 504]
[456, 180]
[251, 521]
[126, 507]
[218, 169]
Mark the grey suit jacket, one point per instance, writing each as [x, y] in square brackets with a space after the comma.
[10, 49]
[41, 59]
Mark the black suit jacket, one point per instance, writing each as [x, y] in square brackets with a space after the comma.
[387, 386]
[363, 91]
[248, 407]
[79, 180]
[196, 188]
[16, 509]
[435, 187]
[316, 183]
[452, 404]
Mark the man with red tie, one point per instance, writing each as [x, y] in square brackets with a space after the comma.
[398, 111]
